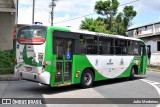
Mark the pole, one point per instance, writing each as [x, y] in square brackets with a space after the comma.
[33, 12]
[17, 12]
[52, 12]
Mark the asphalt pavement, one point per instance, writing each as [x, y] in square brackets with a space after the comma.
[145, 86]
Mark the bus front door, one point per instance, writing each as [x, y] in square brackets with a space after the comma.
[143, 64]
[64, 51]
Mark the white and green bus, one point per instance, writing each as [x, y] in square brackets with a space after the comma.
[58, 56]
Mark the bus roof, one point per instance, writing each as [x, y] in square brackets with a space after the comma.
[92, 33]
[105, 35]
[28, 25]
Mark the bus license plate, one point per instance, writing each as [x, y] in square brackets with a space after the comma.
[28, 68]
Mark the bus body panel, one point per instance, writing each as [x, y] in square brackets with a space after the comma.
[119, 67]
[30, 60]
[49, 57]
[29, 63]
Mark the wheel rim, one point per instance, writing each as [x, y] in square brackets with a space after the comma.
[132, 72]
[88, 79]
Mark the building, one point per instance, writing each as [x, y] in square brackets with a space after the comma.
[150, 34]
[8, 19]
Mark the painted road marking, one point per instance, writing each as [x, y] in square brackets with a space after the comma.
[156, 85]
[158, 105]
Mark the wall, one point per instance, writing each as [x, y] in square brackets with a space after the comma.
[153, 42]
[155, 56]
[155, 59]
[150, 34]
[7, 22]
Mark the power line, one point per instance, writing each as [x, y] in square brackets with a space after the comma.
[129, 3]
[75, 18]
[91, 13]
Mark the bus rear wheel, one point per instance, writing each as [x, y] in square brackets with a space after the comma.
[87, 78]
[132, 73]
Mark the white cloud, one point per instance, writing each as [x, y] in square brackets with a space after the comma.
[64, 10]
[74, 24]
[25, 16]
[69, 9]
[26, 2]
[150, 5]
[142, 5]
[75, 6]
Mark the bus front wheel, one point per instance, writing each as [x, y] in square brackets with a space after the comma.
[87, 78]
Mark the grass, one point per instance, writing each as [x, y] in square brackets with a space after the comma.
[6, 62]
[157, 68]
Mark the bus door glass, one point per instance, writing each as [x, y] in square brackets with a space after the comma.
[64, 53]
[143, 59]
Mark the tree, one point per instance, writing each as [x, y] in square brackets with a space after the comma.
[111, 21]
[96, 25]
[108, 9]
[129, 14]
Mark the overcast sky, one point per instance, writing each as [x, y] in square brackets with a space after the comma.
[148, 11]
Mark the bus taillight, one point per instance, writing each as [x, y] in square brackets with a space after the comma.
[44, 64]
[58, 72]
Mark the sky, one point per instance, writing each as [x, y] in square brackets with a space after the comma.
[148, 11]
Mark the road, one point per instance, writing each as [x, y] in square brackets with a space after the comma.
[147, 86]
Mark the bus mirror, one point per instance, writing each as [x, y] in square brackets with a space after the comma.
[149, 51]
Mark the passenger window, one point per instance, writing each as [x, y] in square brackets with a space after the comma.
[82, 44]
[88, 44]
[121, 47]
[91, 44]
[106, 46]
[133, 48]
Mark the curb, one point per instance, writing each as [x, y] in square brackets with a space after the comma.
[8, 77]
[150, 69]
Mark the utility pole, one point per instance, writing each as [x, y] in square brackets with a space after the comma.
[52, 5]
[33, 12]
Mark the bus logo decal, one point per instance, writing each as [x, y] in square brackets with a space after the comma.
[96, 62]
[121, 61]
[110, 62]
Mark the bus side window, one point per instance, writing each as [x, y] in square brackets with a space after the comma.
[136, 48]
[130, 47]
[82, 45]
[121, 47]
[133, 48]
[91, 44]
[106, 46]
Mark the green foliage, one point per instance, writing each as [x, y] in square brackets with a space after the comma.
[107, 8]
[93, 25]
[112, 22]
[6, 62]
[129, 14]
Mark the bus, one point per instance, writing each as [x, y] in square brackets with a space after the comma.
[58, 56]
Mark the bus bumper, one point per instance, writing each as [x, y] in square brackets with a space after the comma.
[41, 78]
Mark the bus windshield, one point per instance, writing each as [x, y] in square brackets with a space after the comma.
[32, 35]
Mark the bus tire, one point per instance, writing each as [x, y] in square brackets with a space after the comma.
[87, 78]
[132, 73]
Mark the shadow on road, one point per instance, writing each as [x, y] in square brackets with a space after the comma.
[115, 81]
[43, 89]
